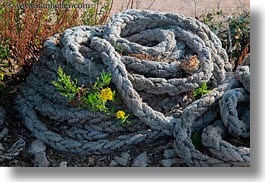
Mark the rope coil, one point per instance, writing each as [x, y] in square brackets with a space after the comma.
[164, 57]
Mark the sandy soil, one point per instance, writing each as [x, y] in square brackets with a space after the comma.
[186, 7]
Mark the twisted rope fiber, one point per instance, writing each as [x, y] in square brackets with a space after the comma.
[84, 52]
[243, 73]
[37, 96]
[16, 148]
[212, 138]
[132, 24]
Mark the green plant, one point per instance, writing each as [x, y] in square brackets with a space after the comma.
[201, 91]
[26, 28]
[196, 139]
[4, 53]
[98, 95]
[66, 86]
[98, 12]
[119, 48]
[214, 20]
[122, 117]
[93, 98]
[240, 36]
[102, 81]
[233, 31]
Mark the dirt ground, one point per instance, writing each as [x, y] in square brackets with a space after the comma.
[186, 7]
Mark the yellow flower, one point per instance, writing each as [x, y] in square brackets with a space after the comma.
[120, 115]
[106, 94]
[2, 76]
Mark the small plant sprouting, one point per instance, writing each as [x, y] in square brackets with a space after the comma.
[103, 81]
[119, 48]
[66, 86]
[93, 98]
[201, 91]
[196, 139]
[122, 117]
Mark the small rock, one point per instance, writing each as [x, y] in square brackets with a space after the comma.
[91, 160]
[37, 146]
[113, 163]
[1, 147]
[63, 164]
[3, 133]
[167, 162]
[141, 160]
[123, 160]
[41, 160]
[170, 153]
[185, 98]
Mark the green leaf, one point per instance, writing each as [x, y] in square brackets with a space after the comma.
[201, 91]
[196, 139]
[65, 85]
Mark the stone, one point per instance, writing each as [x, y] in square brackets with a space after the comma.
[3, 133]
[141, 160]
[37, 146]
[113, 163]
[167, 162]
[63, 164]
[41, 160]
[1, 147]
[91, 160]
[123, 160]
[170, 153]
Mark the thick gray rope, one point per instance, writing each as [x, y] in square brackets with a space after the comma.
[89, 132]
[212, 139]
[190, 115]
[112, 59]
[68, 144]
[230, 116]
[14, 150]
[132, 24]
[83, 53]
[159, 85]
[243, 73]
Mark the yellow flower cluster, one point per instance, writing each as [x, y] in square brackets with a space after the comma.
[120, 115]
[106, 94]
[2, 76]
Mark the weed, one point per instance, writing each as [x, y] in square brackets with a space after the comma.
[98, 12]
[122, 117]
[103, 81]
[196, 139]
[26, 28]
[201, 91]
[4, 53]
[93, 98]
[234, 31]
[66, 86]
[119, 48]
